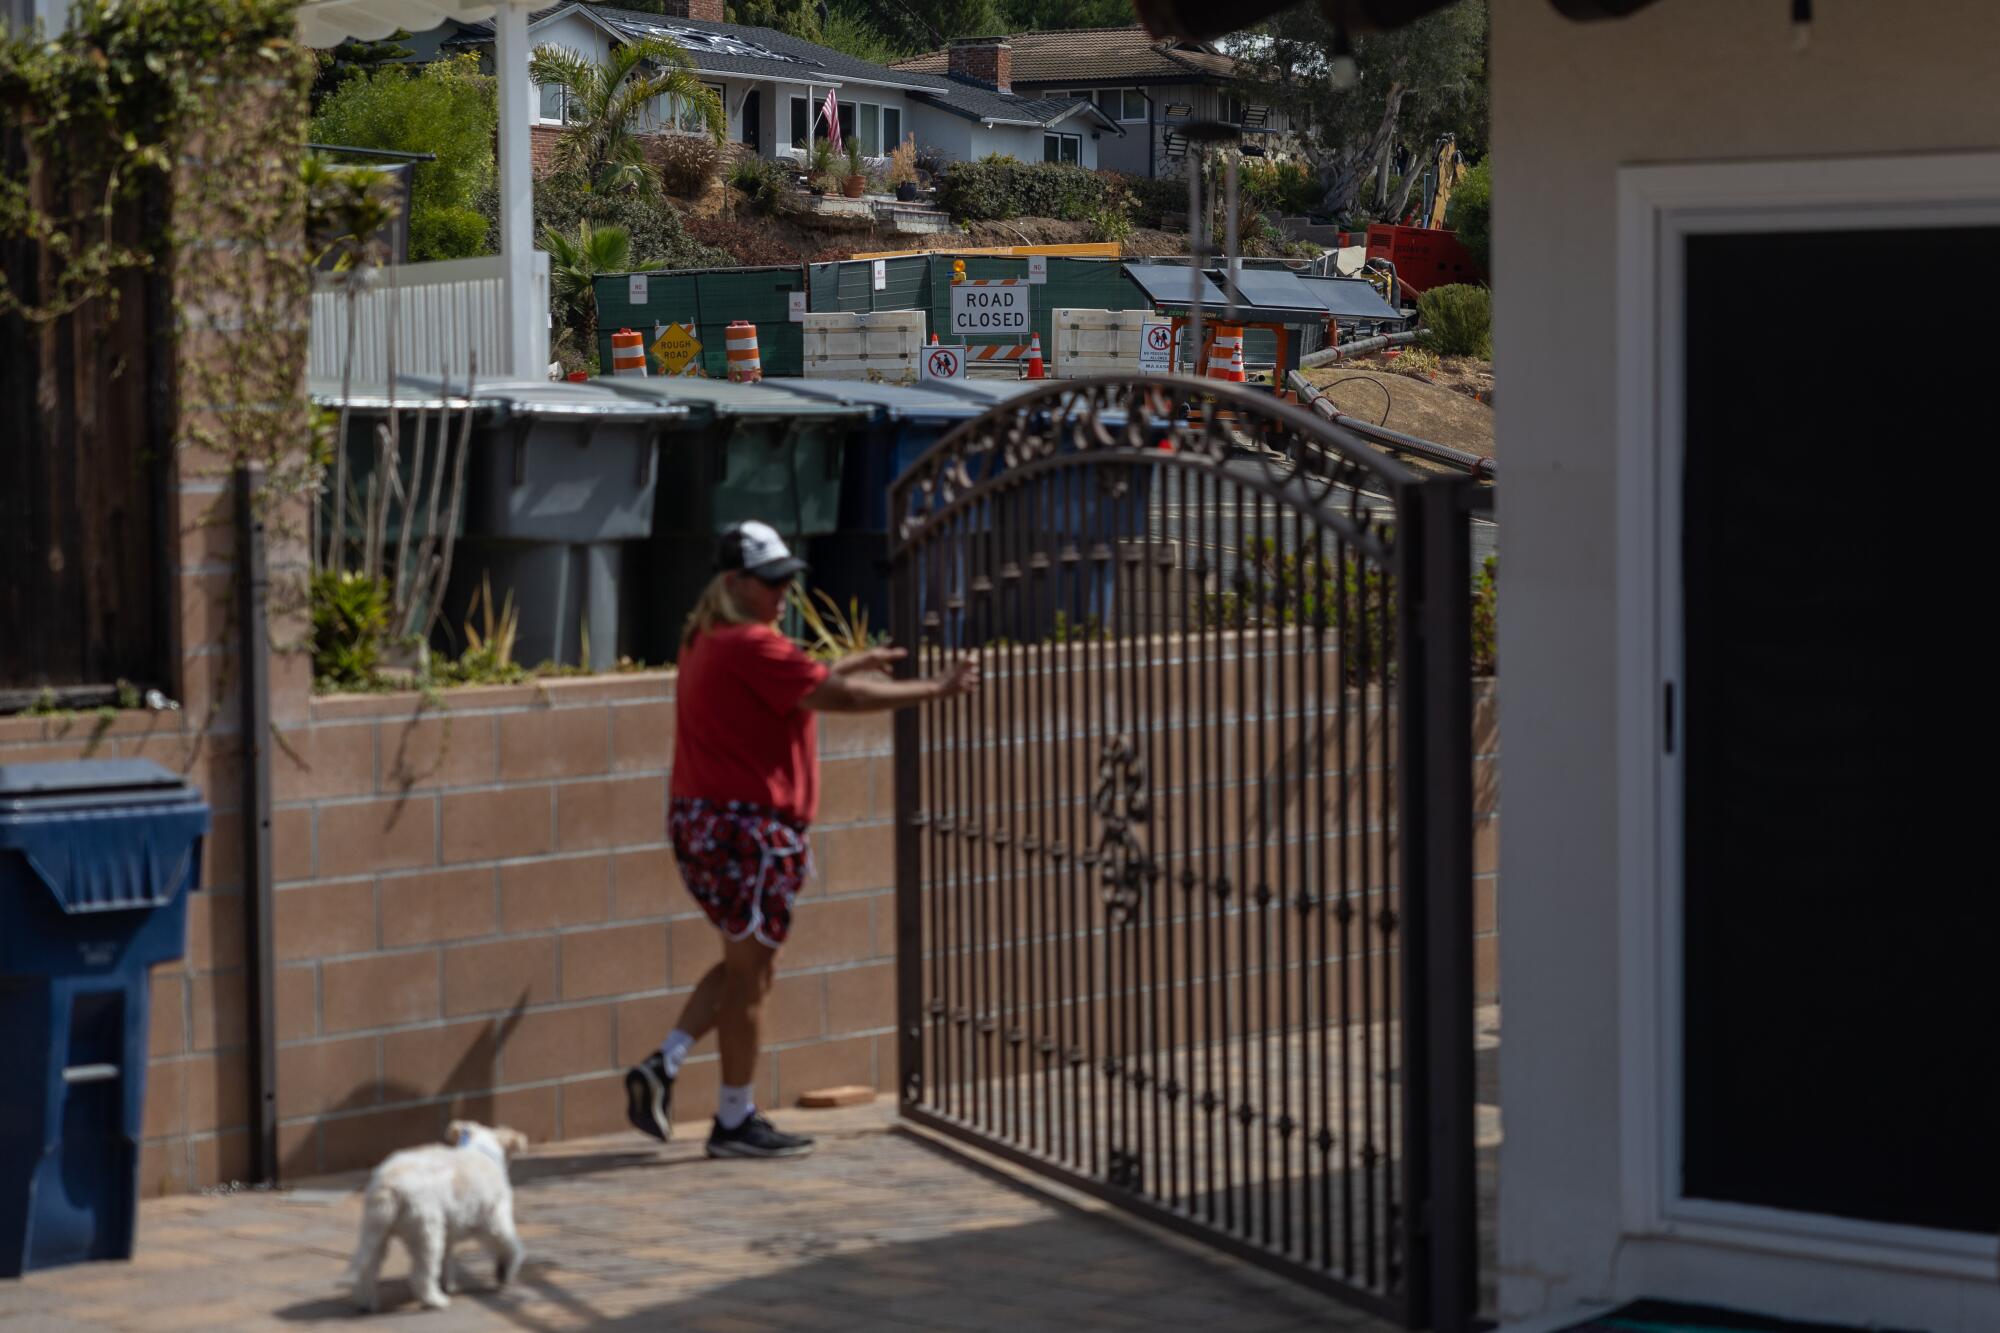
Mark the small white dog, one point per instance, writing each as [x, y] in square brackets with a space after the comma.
[432, 1198]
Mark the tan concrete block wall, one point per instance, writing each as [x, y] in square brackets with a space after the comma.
[481, 916]
[448, 943]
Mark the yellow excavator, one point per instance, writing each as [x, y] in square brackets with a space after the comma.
[1441, 176]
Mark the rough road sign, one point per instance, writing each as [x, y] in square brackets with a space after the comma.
[676, 350]
[944, 363]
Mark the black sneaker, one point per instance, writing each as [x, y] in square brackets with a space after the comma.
[756, 1137]
[649, 1096]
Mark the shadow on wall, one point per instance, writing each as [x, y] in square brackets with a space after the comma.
[478, 1069]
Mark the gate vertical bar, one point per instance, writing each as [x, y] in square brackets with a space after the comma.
[910, 1075]
[1435, 626]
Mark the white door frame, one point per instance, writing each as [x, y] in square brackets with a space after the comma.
[1658, 207]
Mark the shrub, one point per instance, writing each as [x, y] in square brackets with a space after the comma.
[1285, 188]
[903, 162]
[1458, 320]
[1471, 212]
[996, 187]
[447, 231]
[1485, 604]
[350, 624]
[1110, 224]
[446, 108]
[764, 183]
[658, 237]
[687, 163]
[1159, 204]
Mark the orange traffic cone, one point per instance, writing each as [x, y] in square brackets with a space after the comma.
[1035, 370]
[1236, 375]
[628, 354]
[934, 341]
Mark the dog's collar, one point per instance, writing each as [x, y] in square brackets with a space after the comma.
[481, 1146]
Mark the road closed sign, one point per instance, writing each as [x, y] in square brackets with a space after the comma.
[1156, 349]
[990, 309]
[944, 363]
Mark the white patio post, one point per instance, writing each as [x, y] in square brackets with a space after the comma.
[527, 339]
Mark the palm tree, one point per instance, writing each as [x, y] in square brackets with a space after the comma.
[608, 101]
[574, 263]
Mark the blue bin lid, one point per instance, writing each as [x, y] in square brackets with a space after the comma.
[102, 834]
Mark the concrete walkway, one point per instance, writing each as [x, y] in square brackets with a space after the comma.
[879, 1229]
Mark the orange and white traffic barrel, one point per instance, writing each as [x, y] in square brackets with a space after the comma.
[1222, 353]
[628, 354]
[741, 340]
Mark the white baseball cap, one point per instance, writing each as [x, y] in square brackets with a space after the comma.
[758, 550]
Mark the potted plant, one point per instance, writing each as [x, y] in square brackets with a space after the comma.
[819, 167]
[903, 169]
[855, 183]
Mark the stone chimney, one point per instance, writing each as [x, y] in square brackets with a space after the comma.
[708, 11]
[987, 60]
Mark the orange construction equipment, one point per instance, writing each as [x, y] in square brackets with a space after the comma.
[628, 354]
[1035, 367]
[740, 341]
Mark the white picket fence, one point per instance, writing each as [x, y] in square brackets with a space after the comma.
[440, 315]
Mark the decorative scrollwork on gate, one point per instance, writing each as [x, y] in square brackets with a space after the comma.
[1289, 454]
[1122, 801]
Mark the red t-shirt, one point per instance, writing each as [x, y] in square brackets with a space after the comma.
[739, 732]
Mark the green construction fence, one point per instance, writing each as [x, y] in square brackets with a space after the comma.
[710, 298]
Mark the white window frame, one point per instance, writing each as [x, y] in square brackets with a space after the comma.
[1145, 105]
[562, 104]
[1658, 208]
[889, 143]
[1061, 135]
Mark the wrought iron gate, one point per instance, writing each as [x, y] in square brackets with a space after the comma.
[1183, 890]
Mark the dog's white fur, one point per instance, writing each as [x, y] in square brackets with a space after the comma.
[432, 1198]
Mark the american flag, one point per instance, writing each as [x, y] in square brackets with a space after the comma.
[831, 110]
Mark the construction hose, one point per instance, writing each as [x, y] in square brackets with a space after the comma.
[1362, 347]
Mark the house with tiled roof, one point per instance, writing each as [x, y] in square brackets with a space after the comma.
[1146, 84]
[773, 88]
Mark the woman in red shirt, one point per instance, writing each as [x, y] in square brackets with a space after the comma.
[745, 789]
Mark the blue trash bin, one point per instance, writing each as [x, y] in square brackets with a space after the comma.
[96, 861]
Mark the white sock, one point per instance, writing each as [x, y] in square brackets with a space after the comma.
[735, 1106]
[674, 1050]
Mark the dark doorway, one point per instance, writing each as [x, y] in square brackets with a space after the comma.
[753, 120]
[1841, 1003]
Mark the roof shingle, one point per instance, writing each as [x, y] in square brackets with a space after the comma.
[1092, 55]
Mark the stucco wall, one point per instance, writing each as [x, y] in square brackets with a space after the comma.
[1685, 80]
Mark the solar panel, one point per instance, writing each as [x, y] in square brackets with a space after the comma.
[700, 39]
[1275, 291]
[1167, 284]
[1351, 298]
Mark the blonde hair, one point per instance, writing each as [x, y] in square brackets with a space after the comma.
[717, 605]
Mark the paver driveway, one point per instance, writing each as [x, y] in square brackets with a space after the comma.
[877, 1230]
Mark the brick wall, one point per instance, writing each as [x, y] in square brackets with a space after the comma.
[542, 141]
[477, 914]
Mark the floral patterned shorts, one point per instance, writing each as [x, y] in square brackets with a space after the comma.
[743, 863]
